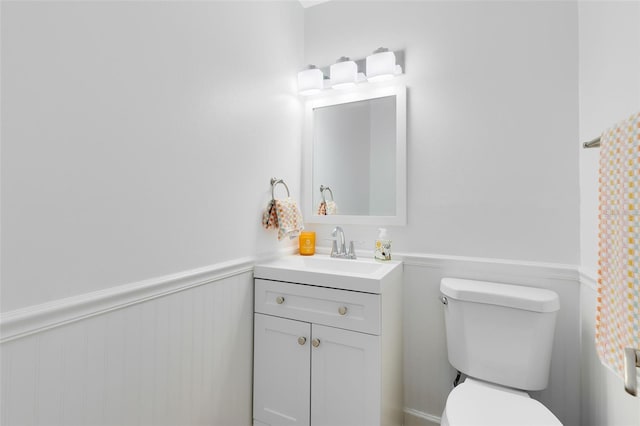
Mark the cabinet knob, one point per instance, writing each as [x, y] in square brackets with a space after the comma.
[279, 300]
[342, 310]
[302, 340]
[315, 343]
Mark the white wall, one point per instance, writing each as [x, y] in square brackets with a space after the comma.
[138, 138]
[609, 93]
[492, 120]
[492, 143]
[609, 38]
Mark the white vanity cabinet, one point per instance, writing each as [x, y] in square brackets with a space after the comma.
[281, 368]
[325, 356]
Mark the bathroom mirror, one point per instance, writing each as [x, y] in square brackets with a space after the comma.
[355, 150]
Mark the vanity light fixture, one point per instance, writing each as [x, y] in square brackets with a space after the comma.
[381, 65]
[310, 81]
[344, 74]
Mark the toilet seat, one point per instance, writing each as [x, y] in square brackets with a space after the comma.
[477, 403]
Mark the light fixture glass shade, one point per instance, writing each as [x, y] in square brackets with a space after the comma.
[343, 74]
[382, 66]
[310, 81]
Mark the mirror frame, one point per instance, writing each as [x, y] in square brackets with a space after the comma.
[359, 93]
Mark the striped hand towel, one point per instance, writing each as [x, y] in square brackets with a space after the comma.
[322, 209]
[618, 304]
[289, 219]
[332, 207]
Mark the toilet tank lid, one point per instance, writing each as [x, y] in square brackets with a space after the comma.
[513, 296]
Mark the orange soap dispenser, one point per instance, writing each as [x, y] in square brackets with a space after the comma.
[307, 241]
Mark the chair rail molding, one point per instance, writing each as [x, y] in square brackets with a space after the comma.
[508, 267]
[589, 278]
[33, 319]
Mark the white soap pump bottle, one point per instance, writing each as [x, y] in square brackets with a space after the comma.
[383, 245]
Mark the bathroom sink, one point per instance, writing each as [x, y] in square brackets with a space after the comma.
[366, 275]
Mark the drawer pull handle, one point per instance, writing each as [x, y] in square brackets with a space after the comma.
[279, 300]
[302, 340]
[342, 310]
[315, 343]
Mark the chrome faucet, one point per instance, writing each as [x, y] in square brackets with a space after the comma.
[341, 250]
[338, 232]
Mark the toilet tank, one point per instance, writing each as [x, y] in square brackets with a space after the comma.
[500, 333]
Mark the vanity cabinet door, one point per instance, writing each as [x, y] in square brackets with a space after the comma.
[281, 372]
[345, 378]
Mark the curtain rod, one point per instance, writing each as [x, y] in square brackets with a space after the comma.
[592, 144]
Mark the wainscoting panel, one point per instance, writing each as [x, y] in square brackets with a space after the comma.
[178, 351]
[604, 400]
[184, 358]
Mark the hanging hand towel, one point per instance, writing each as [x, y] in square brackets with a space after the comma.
[327, 207]
[269, 216]
[332, 207]
[289, 221]
[618, 305]
[322, 208]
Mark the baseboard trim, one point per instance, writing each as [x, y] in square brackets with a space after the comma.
[420, 418]
[33, 319]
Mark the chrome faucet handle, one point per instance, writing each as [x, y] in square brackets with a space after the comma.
[334, 249]
[339, 233]
[352, 251]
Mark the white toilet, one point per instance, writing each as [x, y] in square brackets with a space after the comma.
[501, 337]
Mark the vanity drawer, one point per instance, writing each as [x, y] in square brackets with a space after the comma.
[350, 310]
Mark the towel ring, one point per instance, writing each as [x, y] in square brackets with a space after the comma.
[325, 188]
[274, 182]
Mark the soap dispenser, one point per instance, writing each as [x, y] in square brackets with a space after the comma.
[383, 245]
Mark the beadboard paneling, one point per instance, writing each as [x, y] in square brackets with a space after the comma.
[185, 357]
[181, 359]
[604, 400]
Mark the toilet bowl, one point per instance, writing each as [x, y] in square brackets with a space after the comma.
[478, 403]
[501, 337]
